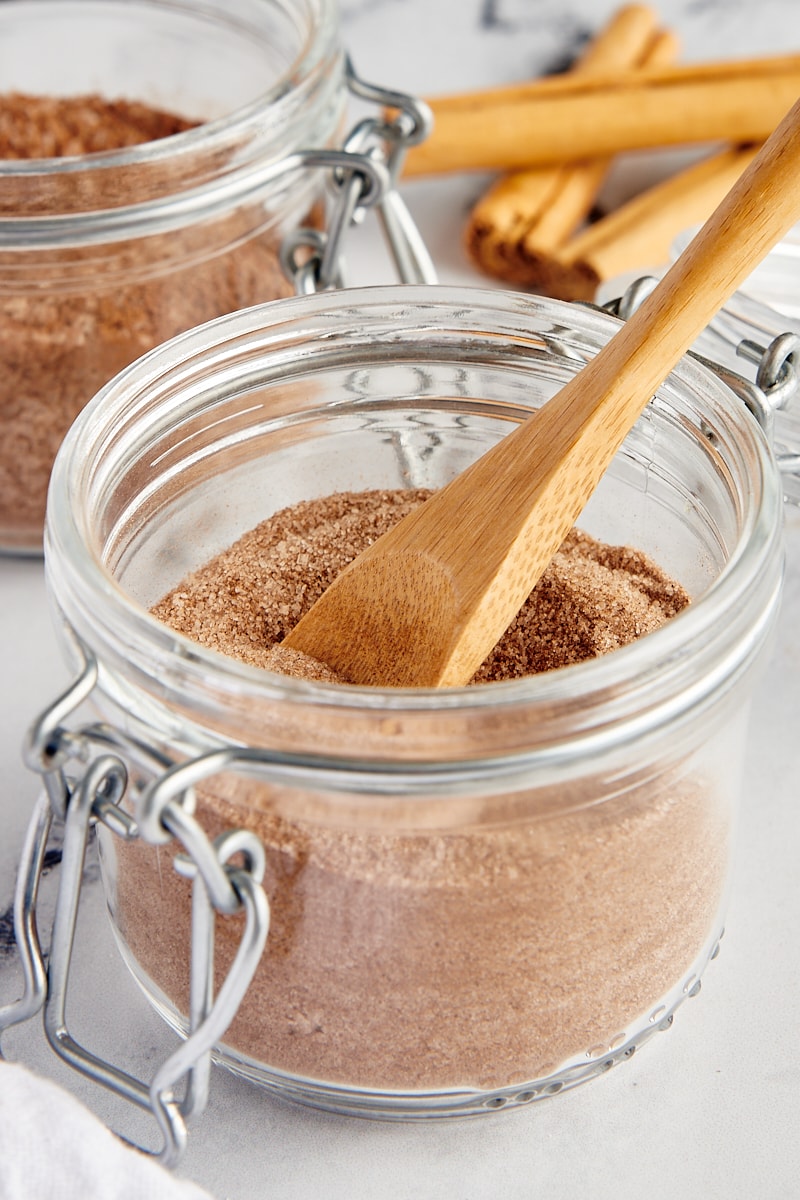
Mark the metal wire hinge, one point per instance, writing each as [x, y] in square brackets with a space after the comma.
[777, 370]
[364, 175]
[86, 781]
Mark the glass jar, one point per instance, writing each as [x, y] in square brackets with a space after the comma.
[105, 255]
[479, 896]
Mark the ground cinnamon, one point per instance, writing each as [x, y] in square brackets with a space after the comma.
[70, 320]
[46, 127]
[592, 599]
[484, 956]
[411, 950]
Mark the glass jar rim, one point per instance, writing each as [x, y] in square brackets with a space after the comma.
[197, 203]
[618, 679]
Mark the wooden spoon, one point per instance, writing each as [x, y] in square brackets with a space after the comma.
[426, 603]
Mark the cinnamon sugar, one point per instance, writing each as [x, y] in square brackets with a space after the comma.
[73, 317]
[483, 956]
[592, 599]
[480, 941]
[46, 127]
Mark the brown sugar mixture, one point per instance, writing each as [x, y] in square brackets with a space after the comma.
[71, 319]
[592, 599]
[479, 942]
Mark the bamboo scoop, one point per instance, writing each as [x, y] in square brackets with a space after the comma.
[424, 605]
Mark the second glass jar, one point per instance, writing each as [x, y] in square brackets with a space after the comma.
[105, 255]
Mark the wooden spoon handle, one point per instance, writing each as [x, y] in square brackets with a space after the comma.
[428, 601]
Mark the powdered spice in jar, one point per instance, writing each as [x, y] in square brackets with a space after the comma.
[592, 598]
[421, 959]
[68, 327]
[428, 958]
[71, 126]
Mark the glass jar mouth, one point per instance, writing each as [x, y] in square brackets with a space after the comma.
[238, 156]
[295, 77]
[667, 671]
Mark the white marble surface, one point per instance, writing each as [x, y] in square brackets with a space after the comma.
[711, 1109]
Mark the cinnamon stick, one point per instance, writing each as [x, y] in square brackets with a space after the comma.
[598, 116]
[639, 234]
[525, 216]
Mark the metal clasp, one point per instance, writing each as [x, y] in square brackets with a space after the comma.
[364, 174]
[86, 780]
[777, 371]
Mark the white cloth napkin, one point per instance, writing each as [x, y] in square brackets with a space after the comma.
[52, 1148]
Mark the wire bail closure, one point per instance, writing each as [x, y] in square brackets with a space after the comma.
[777, 371]
[364, 175]
[97, 793]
